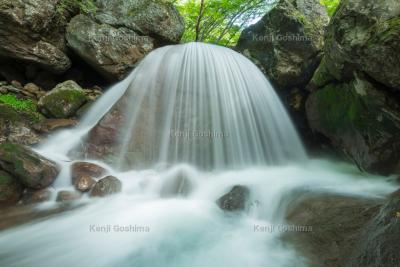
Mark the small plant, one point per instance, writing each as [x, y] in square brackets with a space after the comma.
[331, 6]
[84, 6]
[24, 105]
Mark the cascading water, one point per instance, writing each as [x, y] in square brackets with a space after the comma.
[209, 118]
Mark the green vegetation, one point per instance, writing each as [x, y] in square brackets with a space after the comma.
[24, 105]
[84, 6]
[220, 21]
[331, 6]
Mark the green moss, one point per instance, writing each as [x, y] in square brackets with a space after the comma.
[14, 109]
[84, 6]
[25, 105]
[331, 6]
[339, 108]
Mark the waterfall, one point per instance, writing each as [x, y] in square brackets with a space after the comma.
[196, 120]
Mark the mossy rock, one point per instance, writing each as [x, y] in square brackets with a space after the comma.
[361, 120]
[10, 189]
[33, 170]
[64, 100]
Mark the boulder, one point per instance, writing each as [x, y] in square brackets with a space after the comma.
[360, 119]
[287, 42]
[158, 19]
[86, 169]
[112, 51]
[63, 101]
[235, 199]
[379, 244]
[68, 196]
[107, 186]
[10, 189]
[31, 31]
[33, 171]
[84, 183]
[336, 223]
[364, 35]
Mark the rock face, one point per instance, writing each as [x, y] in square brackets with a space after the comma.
[360, 119]
[63, 101]
[379, 244]
[154, 18]
[10, 189]
[113, 52]
[364, 35]
[30, 31]
[35, 196]
[287, 42]
[32, 170]
[107, 186]
[234, 200]
[357, 84]
[287, 45]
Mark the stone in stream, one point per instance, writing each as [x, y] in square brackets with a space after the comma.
[84, 183]
[107, 186]
[10, 189]
[86, 169]
[235, 199]
[32, 170]
[67, 196]
[63, 101]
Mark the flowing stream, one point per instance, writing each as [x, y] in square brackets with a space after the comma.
[200, 119]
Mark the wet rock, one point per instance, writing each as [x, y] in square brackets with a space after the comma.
[68, 196]
[84, 183]
[177, 185]
[31, 31]
[33, 171]
[360, 119]
[234, 200]
[107, 186]
[154, 18]
[379, 244]
[63, 101]
[36, 196]
[113, 52]
[287, 42]
[32, 88]
[86, 169]
[10, 189]
[49, 125]
[364, 35]
[335, 222]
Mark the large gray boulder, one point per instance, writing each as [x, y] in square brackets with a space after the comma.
[30, 31]
[360, 119]
[154, 18]
[112, 51]
[287, 42]
[364, 35]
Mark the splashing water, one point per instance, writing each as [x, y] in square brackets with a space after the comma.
[210, 118]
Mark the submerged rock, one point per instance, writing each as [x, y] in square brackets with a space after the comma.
[67, 196]
[31, 196]
[33, 170]
[287, 42]
[113, 52]
[360, 119]
[107, 186]
[234, 200]
[10, 189]
[31, 31]
[84, 183]
[64, 100]
[158, 19]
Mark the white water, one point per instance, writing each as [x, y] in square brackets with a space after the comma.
[261, 151]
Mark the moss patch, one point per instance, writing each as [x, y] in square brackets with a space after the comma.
[14, 109]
